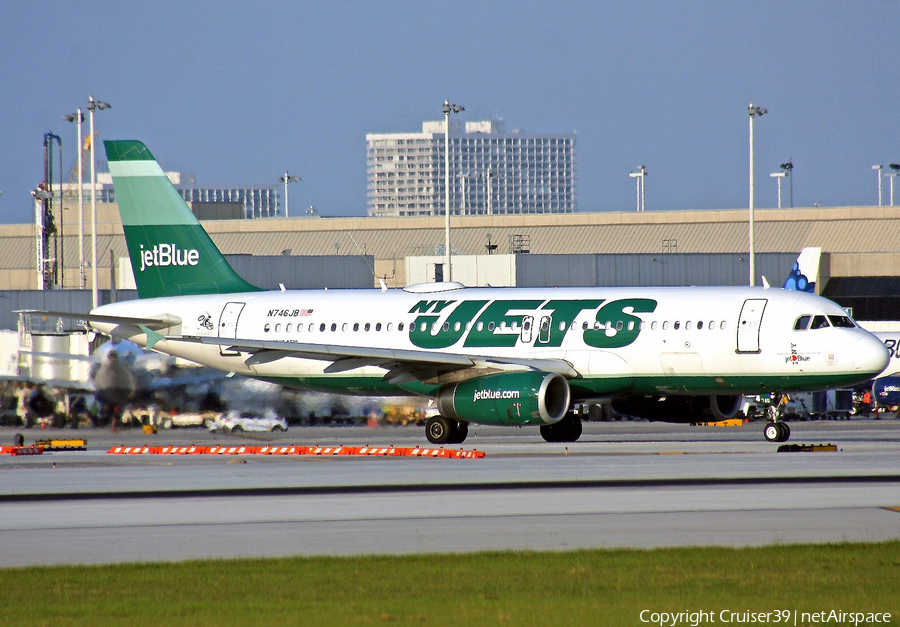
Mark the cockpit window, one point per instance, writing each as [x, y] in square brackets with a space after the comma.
[820, 322]
[842, 322]
[802, 323]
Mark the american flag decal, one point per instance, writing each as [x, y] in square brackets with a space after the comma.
[306, 312]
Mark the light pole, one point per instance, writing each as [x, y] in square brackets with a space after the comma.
[287, 178]
[639, 180]
[877, 169]
[78, 118]
[753, 112]
[895, 169]
[447, 108]
[788, 168]
[778, 176]
[94, 104]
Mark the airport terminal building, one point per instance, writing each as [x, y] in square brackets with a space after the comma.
[860, 267]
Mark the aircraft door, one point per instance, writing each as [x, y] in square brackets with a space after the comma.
[749, 325]
[228, 325]
[544, 334]
[527, 324]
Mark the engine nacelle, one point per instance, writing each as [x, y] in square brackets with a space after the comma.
[515, 398]
[680, 408]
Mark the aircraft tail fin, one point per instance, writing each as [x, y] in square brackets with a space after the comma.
[171, 254]
[805, 273]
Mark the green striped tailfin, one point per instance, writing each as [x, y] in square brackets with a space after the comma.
[171, 254]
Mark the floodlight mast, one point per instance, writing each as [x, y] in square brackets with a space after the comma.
[78, 118]
[753, 112]
[92, 105]
[447, 108]
[288, 178]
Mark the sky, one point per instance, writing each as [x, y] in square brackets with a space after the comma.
[239, 92]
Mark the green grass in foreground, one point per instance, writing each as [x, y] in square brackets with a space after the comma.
[597, 587]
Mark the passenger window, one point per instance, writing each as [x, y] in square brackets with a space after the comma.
[490, 326]
[687, 325]
[299, 328]
[677, 325]
[389, 326]
[584, 326]
[562, 326]
[801, 323]
[819, 322]
[369, 326]
[322, 327]
[288, 328]
[422, 328]
[344, 327]
[700, 325]
[400, 327]
[712, 325]
[722, 325]
[266, 328]
[665, 325]
[312, 326]
[479, 326]
[456, 326]
[378, 326]
[653, 326]
[356, 326]
[277, 328]
[631, 325]
[619, 325]
[446, 327]
[333, 327]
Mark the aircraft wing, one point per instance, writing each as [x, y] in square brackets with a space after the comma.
[161, 322]
[402, 365]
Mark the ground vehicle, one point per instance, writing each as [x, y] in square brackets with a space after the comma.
[240, 421]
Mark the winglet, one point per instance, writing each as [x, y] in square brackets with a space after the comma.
[153, 337]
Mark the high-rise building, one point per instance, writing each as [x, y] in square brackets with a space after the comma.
[492, 172]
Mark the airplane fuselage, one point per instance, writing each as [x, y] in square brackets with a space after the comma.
[652, 341]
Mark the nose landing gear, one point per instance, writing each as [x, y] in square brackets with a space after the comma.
[777, 430]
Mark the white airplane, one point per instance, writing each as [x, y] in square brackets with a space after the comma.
[503, 356]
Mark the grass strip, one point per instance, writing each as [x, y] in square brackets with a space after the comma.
[590, 587]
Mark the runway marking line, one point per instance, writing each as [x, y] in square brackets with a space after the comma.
[390, 451]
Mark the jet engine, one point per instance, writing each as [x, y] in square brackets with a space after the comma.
[680, 408]
[515, 398]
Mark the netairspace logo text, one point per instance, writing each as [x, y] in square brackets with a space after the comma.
[784, 617]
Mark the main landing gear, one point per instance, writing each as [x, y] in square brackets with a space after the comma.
[777, 430]
[566, 430]
[442, 430]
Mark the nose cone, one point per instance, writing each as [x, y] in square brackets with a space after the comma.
[870, 355]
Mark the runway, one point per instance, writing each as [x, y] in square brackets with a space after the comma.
[624, 485]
